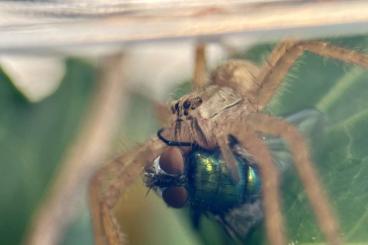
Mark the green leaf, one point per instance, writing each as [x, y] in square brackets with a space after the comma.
[33, 138]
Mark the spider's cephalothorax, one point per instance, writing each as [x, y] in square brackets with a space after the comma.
[196, 116]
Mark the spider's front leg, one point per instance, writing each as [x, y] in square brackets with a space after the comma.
[110, 182]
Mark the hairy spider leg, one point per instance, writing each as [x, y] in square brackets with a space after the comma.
[270, 178]
[325, 217]
[200, 63]
[110, 182]
[227, 154]
[284, 56]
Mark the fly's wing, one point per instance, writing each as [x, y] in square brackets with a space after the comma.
[310, 123]
[235, 224]
[239, 222]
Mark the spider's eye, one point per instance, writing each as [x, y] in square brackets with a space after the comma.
[172, 109]
[176, 107]
[186, 104]
[196, 102]
[171, 161]
[175, 197]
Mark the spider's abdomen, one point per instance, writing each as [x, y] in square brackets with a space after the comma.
[210, 185]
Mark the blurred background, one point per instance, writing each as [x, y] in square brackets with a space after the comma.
[78, 82]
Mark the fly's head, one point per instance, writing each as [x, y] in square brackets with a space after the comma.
[167, 178]
[193, 116]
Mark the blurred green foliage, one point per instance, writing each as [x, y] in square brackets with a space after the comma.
[33, 138]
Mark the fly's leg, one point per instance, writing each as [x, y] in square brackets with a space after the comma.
[284, 56]
[270, 180]
[324, 215]
[112, 180]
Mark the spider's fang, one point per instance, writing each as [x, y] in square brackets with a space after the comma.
[170, 142]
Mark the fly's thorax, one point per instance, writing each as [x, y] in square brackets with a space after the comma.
[210, 185]
[202, 180]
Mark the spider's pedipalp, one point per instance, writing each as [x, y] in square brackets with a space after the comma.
[324, 215]
[108, 183]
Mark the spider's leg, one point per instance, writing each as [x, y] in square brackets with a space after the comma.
[284, 56]
[228, 156]
[304, 166]
[108, 183]
[270, 180]
[199, 72]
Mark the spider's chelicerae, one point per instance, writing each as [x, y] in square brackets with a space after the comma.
[223, 115]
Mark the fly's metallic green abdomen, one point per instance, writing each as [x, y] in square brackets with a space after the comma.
[210, 185]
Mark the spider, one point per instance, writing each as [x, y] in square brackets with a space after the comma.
[227, 107]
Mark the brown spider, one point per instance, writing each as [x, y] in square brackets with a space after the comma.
[230, 104]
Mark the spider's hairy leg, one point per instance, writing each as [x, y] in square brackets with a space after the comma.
[105, 227]
[284, 56]
[270, 179]
[317, 196]
[110, 182]
[199, 71]
[228, 156]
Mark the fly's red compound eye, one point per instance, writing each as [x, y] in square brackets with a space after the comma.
[171, 161]
[175, 197]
